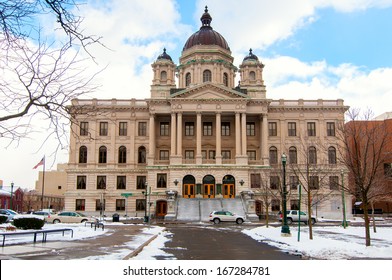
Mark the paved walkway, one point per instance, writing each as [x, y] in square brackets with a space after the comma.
[113, 245]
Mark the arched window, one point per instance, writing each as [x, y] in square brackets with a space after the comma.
[122, 155]
[188, 79]
[102, 158]
[225, 79]
[293, 155]
[252, 75]
[273, 155]
[141, 155]
[312, 155]
[331, 155]
[207, 76]
[163, 76]
[83, 154]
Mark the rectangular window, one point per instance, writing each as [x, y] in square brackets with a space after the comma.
[204, 154]
[275, 205]
[388, 170]
[294, 204]
[142, 129]
[140, 204]
[83, 128]
[189, 129]
[100, 204]
[163, 155]
[120, 204]
[81, 182]
[140, 182]
[103, 128]
[207, 128]
[334, 183]
[314, 182]
[292, 128]
[121, 182]
[311, 129]
[294, 181]
[250, 129]
[251, 155]
[272, 129]
[330, 129]
[274, 182]
[161, 180]
[164, 128]
[101, 182]
[211, 154]
[123, 129]
[226, 154]
[80, 205]
[225, 128]
[189, 154]
[255, 181]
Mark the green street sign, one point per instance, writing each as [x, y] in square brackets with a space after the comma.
[126, 194]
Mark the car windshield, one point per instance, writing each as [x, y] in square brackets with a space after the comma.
[12, 212]
[80, 214]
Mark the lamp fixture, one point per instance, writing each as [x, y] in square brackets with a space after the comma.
[175, 182]
[242, 182]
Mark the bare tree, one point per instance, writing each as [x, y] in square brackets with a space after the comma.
[312, 164]
[364, 153]
[40, 76]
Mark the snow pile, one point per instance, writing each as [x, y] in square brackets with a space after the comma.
[332, 242]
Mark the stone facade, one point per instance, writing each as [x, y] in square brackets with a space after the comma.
[203, 138]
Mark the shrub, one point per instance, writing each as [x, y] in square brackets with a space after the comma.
[29, 223]
[3, 219]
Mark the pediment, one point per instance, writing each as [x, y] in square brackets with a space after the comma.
[208, 91]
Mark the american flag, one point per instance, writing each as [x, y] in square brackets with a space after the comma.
[41, 162]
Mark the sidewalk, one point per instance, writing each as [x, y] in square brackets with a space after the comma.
[119, 242]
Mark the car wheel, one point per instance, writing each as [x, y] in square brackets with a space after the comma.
[289, 221]
[56, 221]
[216, 221]
[83, 221]
[313, 221]
[239, 221]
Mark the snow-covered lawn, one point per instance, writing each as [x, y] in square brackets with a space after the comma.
[329, 242]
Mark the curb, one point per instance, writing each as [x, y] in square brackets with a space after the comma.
[140, 248]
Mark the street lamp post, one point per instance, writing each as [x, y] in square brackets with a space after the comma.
[12, 191]
[344, 223]
[145, 203]
[285, 228]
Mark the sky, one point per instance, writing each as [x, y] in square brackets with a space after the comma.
[311, 49]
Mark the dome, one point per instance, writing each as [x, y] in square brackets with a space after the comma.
[251, 56]
[206, 35]
[164, 55]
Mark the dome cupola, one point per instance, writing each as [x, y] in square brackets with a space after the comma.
[164, 55]
[251, 56]
[206, 35]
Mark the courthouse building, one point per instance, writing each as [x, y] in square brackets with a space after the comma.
[200, 137]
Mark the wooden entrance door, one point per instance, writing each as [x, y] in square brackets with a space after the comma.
[189, 191]
[228, 191]
[161, 209]
[209, 191]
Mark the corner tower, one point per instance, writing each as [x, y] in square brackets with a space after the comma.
[251, 71]
[164, 72]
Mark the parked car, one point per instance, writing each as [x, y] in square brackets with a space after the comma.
[225, 216]
[292, 216]
[45, 214]
[9, 213]
[69, 217]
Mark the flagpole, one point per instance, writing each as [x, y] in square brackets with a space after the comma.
[43, 185]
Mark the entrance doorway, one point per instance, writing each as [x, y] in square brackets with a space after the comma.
[161, 209]
[189, 186]
[209, 186]
[189, 191]
[228, 191]
[228, 183]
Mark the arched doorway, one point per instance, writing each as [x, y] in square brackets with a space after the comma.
[208, 186]
[228, 184]
[188, 186]
[161, 210]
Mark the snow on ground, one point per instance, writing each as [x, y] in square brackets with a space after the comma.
[329, 242]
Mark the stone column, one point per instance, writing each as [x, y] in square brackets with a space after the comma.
[264, 140]
[218, 139]
[237, 135]
[243, 134]
[199, 159]
[173, 135]
[179, 135]
[151, 140]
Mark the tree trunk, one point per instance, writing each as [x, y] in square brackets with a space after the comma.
[373, 218]
[310, 215]
[366, 217]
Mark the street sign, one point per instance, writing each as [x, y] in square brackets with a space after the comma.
[126, 194]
